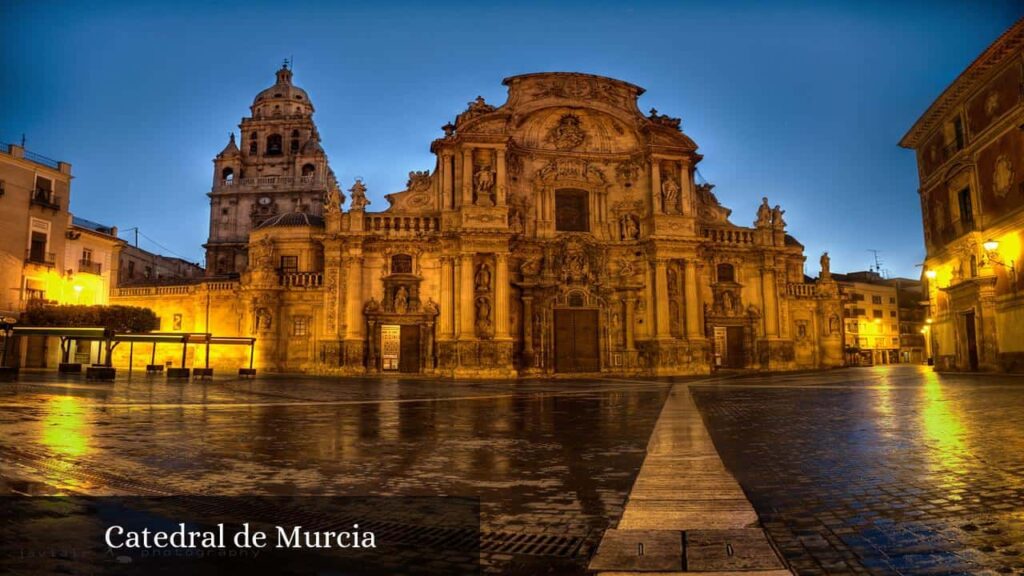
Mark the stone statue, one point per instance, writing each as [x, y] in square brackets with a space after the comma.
[401, 300]
[359, 200]
[826, 262]
[263, 254]
[371, 306]
[430, 307]
[515, 221]
[332, 201]
[630, 229]
[483, 277]
[764, 214]
[833, 324]
[483, 184]
[777, 222]
[263, 319]
[483, 314]
[669, 196]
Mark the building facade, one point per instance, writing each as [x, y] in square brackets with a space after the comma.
[884, 319]
[970, 158]
[137, 266]
[560, 232]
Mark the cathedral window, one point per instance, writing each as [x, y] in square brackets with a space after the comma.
[401, 264]
[295, 141]
[253, 143]
[300, 326]
[571, 213]
[289, 264]
[274, 145]
[726, 273]
[308, 170]
[227, 174]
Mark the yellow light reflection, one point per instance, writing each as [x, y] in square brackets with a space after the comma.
[64, 427]
[943, 427]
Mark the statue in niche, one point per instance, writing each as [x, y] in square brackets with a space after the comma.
[630, 227]
[515, 221]
[359, 200]
[670, 196]
[833, 324]
[672, 279]
[483, 277]
[483, 314]
[777, 222]
[401, 300]
[764, 214]
[264, 320]
[483, 184]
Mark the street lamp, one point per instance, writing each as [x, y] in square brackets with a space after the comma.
[930, 274]
[991, 246]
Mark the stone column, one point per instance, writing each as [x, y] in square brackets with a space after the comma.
[662, 318]
[689, 190]
[456, 296]
[467, 313]
[694, 329]
[500, 189]
[354, 329]
[445, 183]
[501, 300]
[467, 176]
[446, 318]
[659, 208]
[629, 324]
[770, 296]
[528, 330]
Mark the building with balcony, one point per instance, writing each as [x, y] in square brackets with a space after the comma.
[137, 266]
[970, 155]
[563, 231]
[34, 217]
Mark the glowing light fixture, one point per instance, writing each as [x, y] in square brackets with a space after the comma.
[991, 245]
[931, 274]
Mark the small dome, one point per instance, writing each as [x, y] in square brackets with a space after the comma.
[290, 219]
[311, 147]
[284, 91]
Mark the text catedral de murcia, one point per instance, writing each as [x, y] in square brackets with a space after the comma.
[244, 536]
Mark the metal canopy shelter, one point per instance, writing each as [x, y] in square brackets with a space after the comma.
[111, 339]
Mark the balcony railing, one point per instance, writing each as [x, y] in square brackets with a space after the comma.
[302, 279]
[395, 225]
[272, 182]
[40, 159]
[40, 257]
[44, 199]
[90, 267]
[801, 290]
[741, 236]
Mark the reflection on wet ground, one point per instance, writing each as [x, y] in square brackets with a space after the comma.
[888, 470]
[545, 457]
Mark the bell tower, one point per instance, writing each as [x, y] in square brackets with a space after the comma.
[275, 166]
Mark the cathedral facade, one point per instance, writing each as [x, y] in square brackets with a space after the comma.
[561, 232]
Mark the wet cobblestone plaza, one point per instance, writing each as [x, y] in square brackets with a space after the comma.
[889, 470]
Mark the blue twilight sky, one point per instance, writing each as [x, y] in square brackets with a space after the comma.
[801, 102]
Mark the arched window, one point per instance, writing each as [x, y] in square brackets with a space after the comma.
[726, 273]
[253, 143]
[294, 146]
[308, 170]
[274, 145]
[401, 264]
[227, 174]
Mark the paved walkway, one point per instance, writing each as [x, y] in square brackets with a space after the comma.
[685, 513]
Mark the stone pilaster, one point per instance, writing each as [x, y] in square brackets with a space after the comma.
[467, 176]
[694, 307]
[446, 318]
[501, 299]
[663, 329]
[467, 313]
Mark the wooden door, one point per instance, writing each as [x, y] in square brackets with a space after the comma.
[577, 347]
[972, 341]
[735, 351]
[409, 354]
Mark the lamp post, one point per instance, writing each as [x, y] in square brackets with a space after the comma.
[991, 246]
